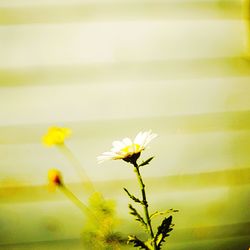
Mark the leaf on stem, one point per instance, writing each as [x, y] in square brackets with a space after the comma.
[137, 243]
[163, 231]
[157, 213]
[146, 162]
[137, 216]
[133, 197]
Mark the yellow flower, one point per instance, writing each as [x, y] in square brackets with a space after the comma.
[55, 178]
[56, 136]
[128, 149]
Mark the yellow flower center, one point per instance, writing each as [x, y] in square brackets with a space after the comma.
[131, 149]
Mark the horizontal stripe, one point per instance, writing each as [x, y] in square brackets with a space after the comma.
[61, 220]
[180, 124]
[179, 183]
[65, 244]
[52, 13]
[124, 100]
[125, 71]
[121, 41]
[176, 154]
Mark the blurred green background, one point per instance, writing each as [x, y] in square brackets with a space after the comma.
[109, 69]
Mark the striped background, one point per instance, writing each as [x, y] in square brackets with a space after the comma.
[108, 69]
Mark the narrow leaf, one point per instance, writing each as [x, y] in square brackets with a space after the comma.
[132, 196]
[136, 242]
[137, 216]
[157, 213]
[146, 162]
[163, 231]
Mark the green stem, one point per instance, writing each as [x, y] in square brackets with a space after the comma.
[78, 167]
[77, 202]
[145, 203]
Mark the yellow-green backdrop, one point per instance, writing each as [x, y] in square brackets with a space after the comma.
[109, 69]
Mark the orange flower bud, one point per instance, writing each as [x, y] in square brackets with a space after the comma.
[55, 177]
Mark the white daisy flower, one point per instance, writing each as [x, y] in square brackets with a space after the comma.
[128, 149]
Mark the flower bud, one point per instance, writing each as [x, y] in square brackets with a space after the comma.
[55, 177]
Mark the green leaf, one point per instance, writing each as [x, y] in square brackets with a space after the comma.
[157, 213]
[146, 162]
[136, 242]
[137, 216]
[163, 231]
[132, 197]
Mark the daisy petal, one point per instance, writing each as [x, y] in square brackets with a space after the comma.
[138, 138]
[143, 138]
[149, 139]
[103, 158]
[118, 144]
[126, 149]
[127, 141]
[108, 153]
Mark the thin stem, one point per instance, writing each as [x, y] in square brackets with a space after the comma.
[78, 167]
[77, 202]
[145, 203]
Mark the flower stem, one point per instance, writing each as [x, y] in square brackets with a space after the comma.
[145, 203]
[77, 165]
[77, 202]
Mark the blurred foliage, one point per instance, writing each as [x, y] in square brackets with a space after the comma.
[99, 234]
